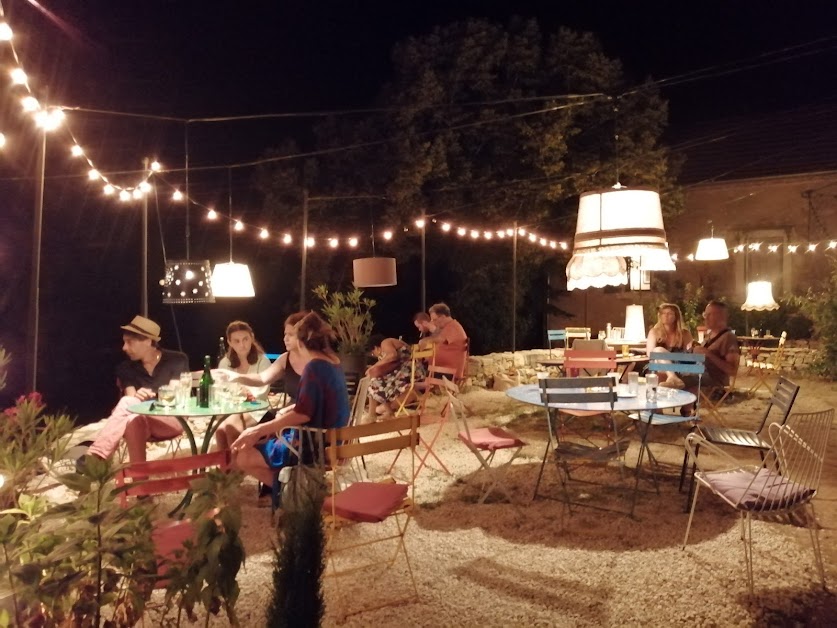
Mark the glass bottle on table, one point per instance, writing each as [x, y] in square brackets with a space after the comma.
[205, 384]
[222, 351]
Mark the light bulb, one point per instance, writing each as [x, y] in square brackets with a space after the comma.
[420, 223]
[145, 187]
[333, 242]
[93, 174]
[5, 32]
[177, 195]
[76, 151]
[509, 232]
[30, 103]
[553, 244]
[532, 237]
[461, 231]
[353, 242]
[156, 166]
[387, 235]
[211, 214]
[445, 226]
[18, 76]
[521, 231]
[2, 140]
[263, 234]
[475, 234]
[564, 246]
[108, 189]
[832, 245]
[124, 196]
[542, 241]
[487, 235]
[239, 226]
[136, 194]
[812, 248]
[287, 239]
[309, 243]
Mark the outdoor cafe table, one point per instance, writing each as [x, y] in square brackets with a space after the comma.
[666, 398]
[191, 410]
[624, 364]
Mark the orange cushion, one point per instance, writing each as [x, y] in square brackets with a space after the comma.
[491, 438]
[367, 501]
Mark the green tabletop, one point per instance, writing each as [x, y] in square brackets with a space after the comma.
[192, 408]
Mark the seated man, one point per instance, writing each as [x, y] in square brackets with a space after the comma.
[147, 368]
[424, 326]
[447, 330]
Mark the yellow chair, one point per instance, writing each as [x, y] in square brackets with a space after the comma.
[418, 358]
[770, 364]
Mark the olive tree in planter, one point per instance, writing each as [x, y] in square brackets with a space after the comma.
[350, 314]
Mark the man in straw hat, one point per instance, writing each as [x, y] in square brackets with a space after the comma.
[147, 368]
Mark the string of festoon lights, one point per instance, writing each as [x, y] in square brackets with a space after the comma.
[823, 246]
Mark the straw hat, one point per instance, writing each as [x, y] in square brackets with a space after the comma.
[144, 327]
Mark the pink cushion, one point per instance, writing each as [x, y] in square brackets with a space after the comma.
[367, 501]
[764, 490]
[491, 438]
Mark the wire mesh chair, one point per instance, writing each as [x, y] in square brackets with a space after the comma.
[786, 481]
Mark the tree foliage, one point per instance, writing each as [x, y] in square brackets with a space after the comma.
[486, 125]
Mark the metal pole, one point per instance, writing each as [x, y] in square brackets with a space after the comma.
[144, 293]
[304, 245]
[35, 285]
[514, 289]
[423, 262]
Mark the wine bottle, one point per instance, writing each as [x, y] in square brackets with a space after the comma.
[222, 350]
[205, 384]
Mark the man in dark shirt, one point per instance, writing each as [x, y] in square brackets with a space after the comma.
[147, 368]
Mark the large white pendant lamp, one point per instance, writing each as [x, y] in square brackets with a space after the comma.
[634, 324]
[627, 222]
[374, 272]
[656, 260]
[231, 280]
[760, 297]
[711, 249]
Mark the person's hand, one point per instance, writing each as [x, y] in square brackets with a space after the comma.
[144, 394]
[223, 375]
[248, 438]
[699, 349]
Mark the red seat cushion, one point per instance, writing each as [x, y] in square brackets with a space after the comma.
[367, 501]
[491, 438]
[764, 490]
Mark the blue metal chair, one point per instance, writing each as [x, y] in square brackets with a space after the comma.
[556, 335]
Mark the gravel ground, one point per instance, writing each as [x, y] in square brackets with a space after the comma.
[501, 564]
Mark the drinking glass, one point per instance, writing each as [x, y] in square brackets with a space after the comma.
[216, 395]
[651, 382]
[238, 395]
[633, 384]
[626, 350]
[165, 395]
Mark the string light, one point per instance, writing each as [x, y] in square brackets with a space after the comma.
[445, 227]
[309, 243]
[475, 234]
[239, 226]
[812, 248]
[2, 140]
[353, 242]
[94, 175]
[30, 104]
[263, 234]
[108, 189]
[832, 245]
[792, 248]
[388, 235]
[124, 196]
[5, 32]
[156, 166]
[461, 231]
[18, 76]
[333, 242]
[211, 215]
[287, 239]
[772, 248]
[144, 187]
[177, 195]
[77, 151]
[136, 194]
[420, 223]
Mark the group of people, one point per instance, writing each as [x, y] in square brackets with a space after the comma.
[391, 375]
[313, 382]
[719, 345]
[310, 370]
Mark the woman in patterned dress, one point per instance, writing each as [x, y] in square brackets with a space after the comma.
[390, 376]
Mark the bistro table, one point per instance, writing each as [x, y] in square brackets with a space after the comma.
[753, 345]
[637, 407]
[624, 364]
[191, 410]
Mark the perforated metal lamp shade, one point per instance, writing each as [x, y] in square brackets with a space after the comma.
[374, 272]
[711, 249]
[596, 271]
[619, 221]
[187, 281]
[760, 297]
[231, 280]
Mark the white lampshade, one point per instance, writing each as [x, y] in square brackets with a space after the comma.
[760, 297]
[711, 249]
[596, 271]
[374, 272]
[619, 221]
[187, 281]
[656, 260]
[232, 280]
[634, 323]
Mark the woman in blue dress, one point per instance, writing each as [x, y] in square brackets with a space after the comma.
[322, 402]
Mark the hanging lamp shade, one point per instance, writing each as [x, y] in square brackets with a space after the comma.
[760, 297]
[232, 280]
[187, 281]
[374, 272]
[656, 260]
[596, 271]
[634, 323]
[711, 249]
[619, 221]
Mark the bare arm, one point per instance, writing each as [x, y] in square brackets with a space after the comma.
[650, 342]
[267, 376]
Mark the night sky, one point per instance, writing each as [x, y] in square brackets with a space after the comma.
[189, 58]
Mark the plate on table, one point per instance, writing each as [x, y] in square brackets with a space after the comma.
[623, 393]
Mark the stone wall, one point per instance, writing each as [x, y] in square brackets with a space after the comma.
[499, 371]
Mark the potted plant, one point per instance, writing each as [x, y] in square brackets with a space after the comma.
[350, 314]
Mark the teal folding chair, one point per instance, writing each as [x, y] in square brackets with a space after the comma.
[556, 335]
[681, 364]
